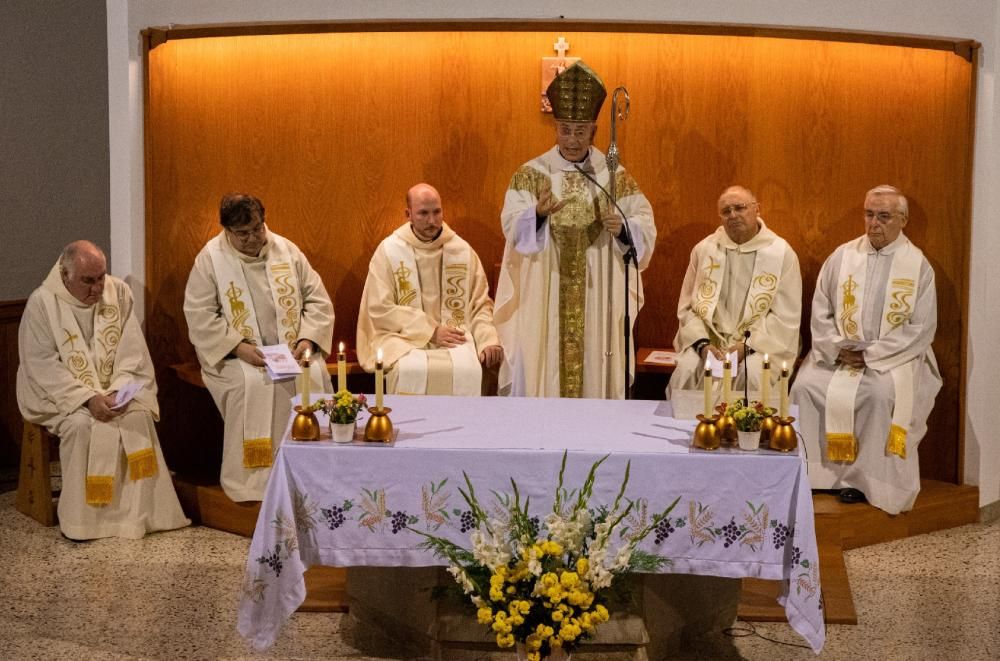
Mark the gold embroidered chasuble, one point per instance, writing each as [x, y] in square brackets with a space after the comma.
[552, 297]
[729, 288]
[99, 350]
[272, 298]
[405, 300]
[865, 304]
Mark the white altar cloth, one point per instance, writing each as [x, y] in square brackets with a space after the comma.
[740, 513]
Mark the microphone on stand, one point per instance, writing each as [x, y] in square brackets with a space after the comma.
[588, 172]
[746, 377]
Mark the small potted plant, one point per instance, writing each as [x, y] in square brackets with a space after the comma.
[343, 411]
[748, 419]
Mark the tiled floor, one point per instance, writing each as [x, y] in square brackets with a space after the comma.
[173, 596]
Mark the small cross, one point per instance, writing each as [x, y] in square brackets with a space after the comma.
[561, 47]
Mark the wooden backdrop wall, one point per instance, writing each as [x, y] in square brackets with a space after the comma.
[330, 130]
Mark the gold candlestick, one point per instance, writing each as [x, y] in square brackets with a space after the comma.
[379, 427]
[305, 427]
[767, 427]
[706, 434]
[783, 438]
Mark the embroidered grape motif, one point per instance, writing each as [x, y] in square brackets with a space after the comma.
[334, 516]
[662, 530]
[780, 535]
[398, 521]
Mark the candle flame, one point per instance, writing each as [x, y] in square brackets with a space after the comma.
[708, 365]
[341, 347]
[378, 355]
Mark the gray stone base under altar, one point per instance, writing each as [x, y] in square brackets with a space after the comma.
[658, 614]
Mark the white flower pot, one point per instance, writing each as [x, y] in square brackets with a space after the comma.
[749, 440]
[342, 433]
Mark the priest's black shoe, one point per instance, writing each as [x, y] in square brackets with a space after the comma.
[851, 496]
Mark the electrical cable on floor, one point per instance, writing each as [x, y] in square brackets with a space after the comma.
[750, 630]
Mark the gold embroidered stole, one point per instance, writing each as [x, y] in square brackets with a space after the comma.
[93, 365]
[901, 291]
[574, 228]
[258, 446]
[763, 288]
[455, 312]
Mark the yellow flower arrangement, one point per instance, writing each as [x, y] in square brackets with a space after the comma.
[545, 584]
[343, 408]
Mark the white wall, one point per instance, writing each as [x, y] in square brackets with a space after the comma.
[972, 19]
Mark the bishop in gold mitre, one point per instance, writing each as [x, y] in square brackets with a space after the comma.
[557, 285]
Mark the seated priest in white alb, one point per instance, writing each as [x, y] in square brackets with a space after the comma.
[426, 305]
[869, 382]
[80, 348]
[742, 277]
[249, 288]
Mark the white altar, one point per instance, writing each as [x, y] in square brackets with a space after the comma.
[740, 513]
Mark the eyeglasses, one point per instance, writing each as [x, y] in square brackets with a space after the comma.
[881, 216]
[733, 208]
[244, 235]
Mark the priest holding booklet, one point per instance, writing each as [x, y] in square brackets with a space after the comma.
[249, 288]
[742, 277]
[86, 375]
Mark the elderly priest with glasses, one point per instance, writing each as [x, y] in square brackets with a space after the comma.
[743, 278]
[249, 288]
[562, 277]
[86, 375]
[869, 383]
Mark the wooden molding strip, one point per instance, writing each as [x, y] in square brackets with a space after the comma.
[156, 36]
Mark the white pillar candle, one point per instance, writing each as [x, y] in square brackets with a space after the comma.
[727, 378]
[783, 411]
[341, 369]
[765, 381]
[708, 389]
[378, 379]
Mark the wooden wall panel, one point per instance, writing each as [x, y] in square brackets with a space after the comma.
[10, 415]
[331, 129]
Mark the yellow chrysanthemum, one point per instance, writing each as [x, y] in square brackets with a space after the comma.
[484, 615]
[505, 640]
[534, 656]
[569, 579]
[582, 566]
[601, 612]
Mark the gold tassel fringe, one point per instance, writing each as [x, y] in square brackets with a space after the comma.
[257, 453]
[100, 489]
[841, 447]
[142, 464]
[896, 443]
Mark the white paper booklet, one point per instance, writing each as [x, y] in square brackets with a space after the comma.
[662, 358]
[126, 393]
[280, 362]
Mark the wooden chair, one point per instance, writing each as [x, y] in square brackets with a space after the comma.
[35, 496]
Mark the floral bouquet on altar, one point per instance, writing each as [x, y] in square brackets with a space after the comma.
[748, 417]
[545, 584]
[343, 408]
